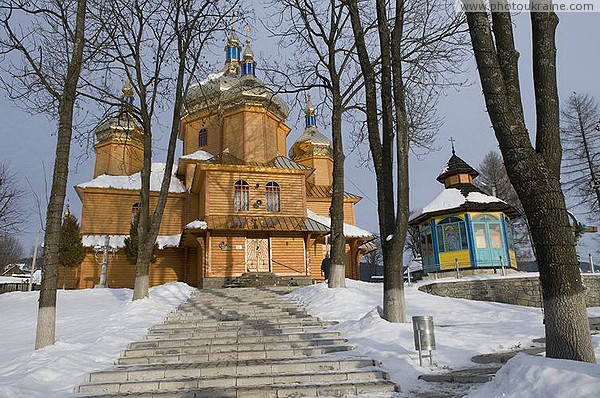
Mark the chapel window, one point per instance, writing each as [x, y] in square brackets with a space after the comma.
[272, 196]
[452, 235]
[241, 195]
[203, 137]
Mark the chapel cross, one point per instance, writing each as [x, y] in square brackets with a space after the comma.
[451, 139]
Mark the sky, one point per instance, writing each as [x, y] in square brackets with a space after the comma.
[27, 142]
[95, 325]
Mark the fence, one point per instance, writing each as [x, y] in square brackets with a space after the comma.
[15, 287]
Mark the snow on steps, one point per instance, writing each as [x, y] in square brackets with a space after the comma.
[239, 343]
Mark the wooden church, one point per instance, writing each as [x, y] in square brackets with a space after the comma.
[237, 204]
[464, 226]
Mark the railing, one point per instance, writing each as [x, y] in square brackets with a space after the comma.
[499, 264]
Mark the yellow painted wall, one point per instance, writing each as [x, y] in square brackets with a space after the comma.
[190, 135]
[447, 259]
[118, 158]
[321, 207]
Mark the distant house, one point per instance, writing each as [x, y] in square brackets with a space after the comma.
[16, 269]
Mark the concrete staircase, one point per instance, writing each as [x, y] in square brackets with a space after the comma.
[244, 342]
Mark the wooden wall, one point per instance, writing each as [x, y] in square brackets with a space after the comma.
[190, 135]
[110, 212]
[230, 261]
[219, 198]
[287, 255]
[321, 207]
[169, 267]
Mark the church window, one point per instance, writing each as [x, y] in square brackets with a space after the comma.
[272, 197]
[452, 235]
[241, 195]
[203, 137]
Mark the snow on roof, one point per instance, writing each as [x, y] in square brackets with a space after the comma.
[133, 182]
[211, 77]
[197, 224]
[198, 155]
[118, 241]
[350, 231]
[452, 198]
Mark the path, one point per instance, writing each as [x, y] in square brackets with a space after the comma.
[243, 342]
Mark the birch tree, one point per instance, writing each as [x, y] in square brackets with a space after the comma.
[42, 46]
[534, 170]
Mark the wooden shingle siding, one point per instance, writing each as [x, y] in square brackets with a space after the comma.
[321, 207]
[110, 213]
[211, 124]
[220, 198]
[228, 256]
[287, 256]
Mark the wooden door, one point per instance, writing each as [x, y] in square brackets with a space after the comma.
[257, 255]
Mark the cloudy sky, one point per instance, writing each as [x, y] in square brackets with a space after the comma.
[28, 142]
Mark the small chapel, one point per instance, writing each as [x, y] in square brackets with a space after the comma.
[463, 227]
[239, 201]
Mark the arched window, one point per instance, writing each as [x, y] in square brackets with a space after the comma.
[240, 195]
[202, 137]
[452, 235]
[135, 211]
[272, 197]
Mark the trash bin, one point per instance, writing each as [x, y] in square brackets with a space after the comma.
[424, 336]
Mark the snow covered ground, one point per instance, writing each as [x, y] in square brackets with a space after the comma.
[95, 325]
[463, 328]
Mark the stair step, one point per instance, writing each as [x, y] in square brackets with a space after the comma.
[236, 325]
[232, 356]
[241, 332]
[349, 388]
[176, 323]
[233, 340]
[215, 348]
[231, 368]
[257, 380]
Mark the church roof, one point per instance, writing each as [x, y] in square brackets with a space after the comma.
[263, 223]
[465, 197]
[133, 182]
[350, 231]
[455, 166]
[325, 191]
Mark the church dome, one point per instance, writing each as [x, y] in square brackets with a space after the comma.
[311, 143]
[122, 124]
[234, 86]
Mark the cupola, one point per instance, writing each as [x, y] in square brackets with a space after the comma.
[248, 62]
[232, 53]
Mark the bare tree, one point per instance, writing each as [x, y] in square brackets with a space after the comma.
[535, 171]
[158, 46]
[374, 258]
[580, 136]
[47, 37]
[416, 43]
[11, 212]
[321, 32]
[11, 251]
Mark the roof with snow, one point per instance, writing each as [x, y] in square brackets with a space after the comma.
[350, 231]
[118, 241]
[453, 200]
[133, 182]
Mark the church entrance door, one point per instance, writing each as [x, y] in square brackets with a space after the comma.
[257, 255]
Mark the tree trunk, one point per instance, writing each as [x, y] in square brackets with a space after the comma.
[46, 324]
[534, 173]
[337, 272]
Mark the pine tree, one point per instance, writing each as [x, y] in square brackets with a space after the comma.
[132, 242]
[71, 251]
